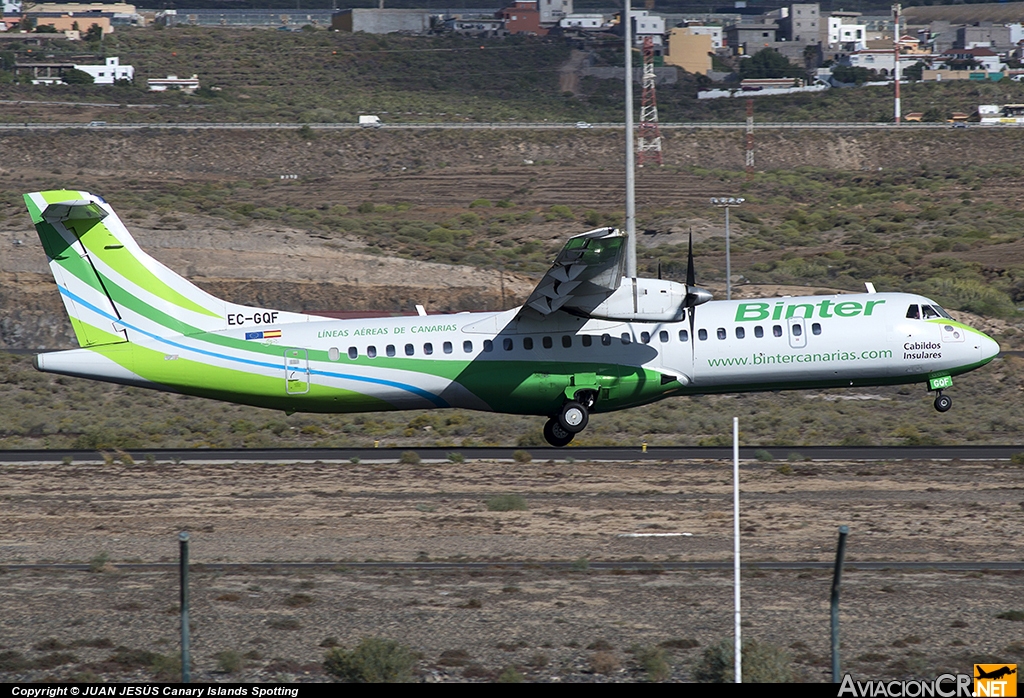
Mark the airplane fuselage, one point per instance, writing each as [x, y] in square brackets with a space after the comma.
[507, 362]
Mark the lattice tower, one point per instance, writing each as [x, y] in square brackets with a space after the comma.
[648, 142]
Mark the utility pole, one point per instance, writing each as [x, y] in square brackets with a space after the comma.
[896, 58]
[749, 165]
[630, 173]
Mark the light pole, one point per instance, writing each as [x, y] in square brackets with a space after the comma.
[726, 202]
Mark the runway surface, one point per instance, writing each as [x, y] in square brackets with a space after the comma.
[634, 453]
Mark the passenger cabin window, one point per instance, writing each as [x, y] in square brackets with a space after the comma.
[428, 348]
[353, 353]
[702, 335]
[816, 328]
[587, 340]
[606, 339]
[390, 350]
[333, 354]
[645, 337]
[740, 333]
[777, 330]
[467, 347]
[528, 343]
[488, 345]
[663, 336]
[684, 336]
[567, 341]
[506, 344]
[546, 342]
[625, 338]
[447, 347]
[797, 330]
[721, 333]
[758, 331]
[371, 352]
[409, 350]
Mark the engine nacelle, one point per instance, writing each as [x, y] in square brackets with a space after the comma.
[644, 300]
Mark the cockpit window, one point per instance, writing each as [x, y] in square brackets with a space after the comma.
[942, 312]
[929, 312]
[914, 313]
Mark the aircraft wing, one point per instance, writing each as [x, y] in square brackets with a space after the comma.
[587, 270]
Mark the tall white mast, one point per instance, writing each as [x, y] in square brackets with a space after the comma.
[630, 174]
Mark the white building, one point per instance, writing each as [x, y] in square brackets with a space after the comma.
[841, 30]
[583, 21]
[12, 7]
[173, 82]
[647, 25]
[881, 60]
[552, 11]
[714, 32]
[110, 71]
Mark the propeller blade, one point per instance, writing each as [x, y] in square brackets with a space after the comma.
[659, 270]
[691, 274]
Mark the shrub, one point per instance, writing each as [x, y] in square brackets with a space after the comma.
[456, 458]
[763, 662]
[506, 502]
[229, 662]
[297, 600]
[654, 661]
[374, 660]
[480, 203]
[784, 469]
[1017, 458]
[100, 563]
[763, 456]
[409, 458]
[1011, 615]
[604, 662]
[521, 456]
[510, 675]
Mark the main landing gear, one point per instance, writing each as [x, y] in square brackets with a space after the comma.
[571, 420]
[943, 402]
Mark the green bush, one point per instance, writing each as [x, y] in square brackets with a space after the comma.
[506, 502]
[521, 456]
[654, 661]
[229, 662]
[455, 457]
[763, 662]
[409, 458]
[763, 456]
[1017, 458]
[374, 660]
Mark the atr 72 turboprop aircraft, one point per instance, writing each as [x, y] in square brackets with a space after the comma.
[587, 340]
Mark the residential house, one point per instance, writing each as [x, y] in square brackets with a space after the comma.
[689, 51]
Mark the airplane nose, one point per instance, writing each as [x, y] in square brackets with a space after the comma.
[989, 348]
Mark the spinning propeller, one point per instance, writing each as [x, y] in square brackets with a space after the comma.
[694, 294]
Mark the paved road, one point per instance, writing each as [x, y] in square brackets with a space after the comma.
[848, 566]
[94, 126]
[659, 453]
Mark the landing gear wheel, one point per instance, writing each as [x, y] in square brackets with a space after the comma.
[573, 417]
[943, 402]
[556, 435]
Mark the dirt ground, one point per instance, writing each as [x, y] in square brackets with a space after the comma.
[578, 624]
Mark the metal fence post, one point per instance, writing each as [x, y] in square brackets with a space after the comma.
[836, 576]
[183, 547]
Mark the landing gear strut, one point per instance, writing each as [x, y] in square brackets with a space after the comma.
[943, 402]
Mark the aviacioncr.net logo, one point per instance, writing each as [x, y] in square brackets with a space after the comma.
[945, 686]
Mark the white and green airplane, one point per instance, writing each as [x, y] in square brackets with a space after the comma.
[587, 340]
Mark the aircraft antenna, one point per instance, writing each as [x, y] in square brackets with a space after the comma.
[630, 173]
[648, 142]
